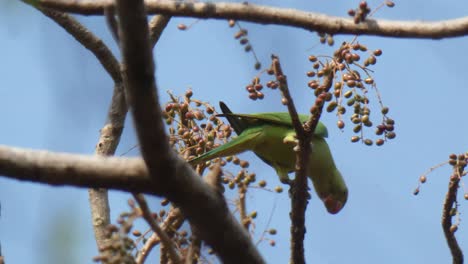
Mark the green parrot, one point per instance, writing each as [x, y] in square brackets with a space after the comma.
[271, 137]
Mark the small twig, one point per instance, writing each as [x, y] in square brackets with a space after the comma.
[165, 239]
[283, 84]
[193, 254]
[317, 108]
[108, 142]
[241, 204]
[450, 200]
[299, 186]
[173, 222]
[112, 23]
[267, 224]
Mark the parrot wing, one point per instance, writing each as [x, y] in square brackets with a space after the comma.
[246, 141]
[239, 122]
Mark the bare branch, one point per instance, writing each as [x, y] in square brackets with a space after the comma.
[203, 206]
[108, 142]
[193, 254]
[156, 26]
[126, 174]
[138, 71]
[175, 179]
[173, 222]
[317, 108]
[100, 214]
[281, 16]
[112, 24]
[299, 186]
[241, 204]
[164, 238]
[450, 201]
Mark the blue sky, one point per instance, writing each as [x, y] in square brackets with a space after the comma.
[54, 95]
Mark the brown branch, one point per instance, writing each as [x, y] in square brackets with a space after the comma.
[110, 134]
[163, 237]
[108, 142]
[138, 71]
[450, 201]
[213, 178]
[88, 40]
[193, 254]
[112, 24]
[303, 133]
[281, 16]
[299, 186]
[173, 222]
[245, 220]
[126, 174]
[317, 108]
[156, 26]
[175, 179]
[203, 206]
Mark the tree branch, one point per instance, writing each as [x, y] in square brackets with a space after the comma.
[126, 174]
[108, 142]
[202, 205]
[173, 221]
[299, 186]
[175, 179]
[450, 201]
[156, 26]
[281, 16]
[163, 237]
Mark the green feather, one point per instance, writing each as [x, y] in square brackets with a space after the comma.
[269, 135]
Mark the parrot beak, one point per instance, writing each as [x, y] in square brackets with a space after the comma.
[333, 206]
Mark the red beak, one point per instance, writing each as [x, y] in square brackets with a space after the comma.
[333, 206]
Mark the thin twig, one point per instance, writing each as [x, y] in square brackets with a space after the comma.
[193, 254]
[299, 186]
[173, 222]
[245, 220]
[309, 21]
[165, 239]
[317, 108]
[450, 200]
[112, 24]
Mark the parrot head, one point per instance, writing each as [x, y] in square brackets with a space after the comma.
[334, 197]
